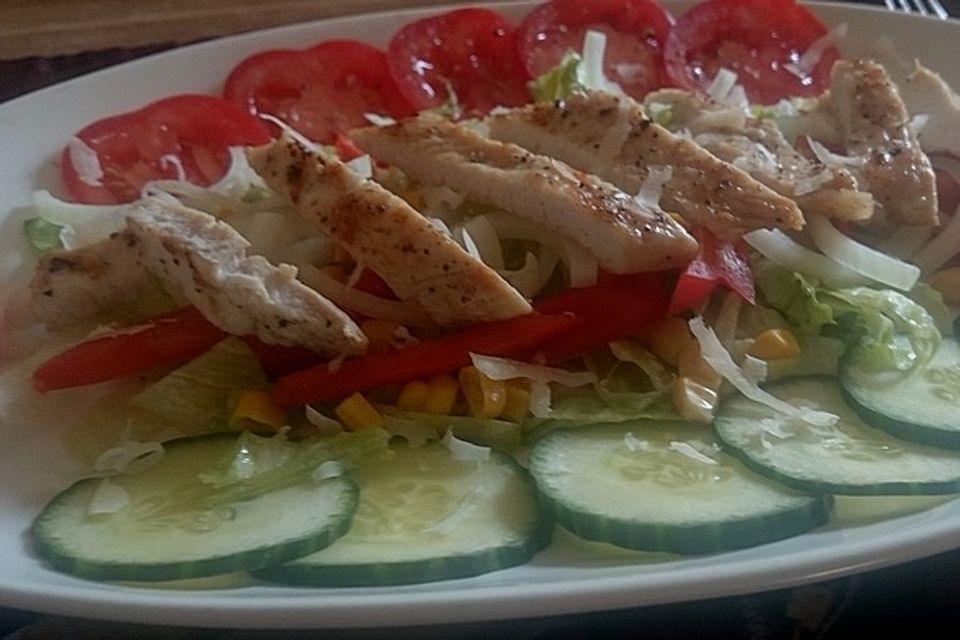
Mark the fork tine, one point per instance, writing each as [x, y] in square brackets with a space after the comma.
[891, 5]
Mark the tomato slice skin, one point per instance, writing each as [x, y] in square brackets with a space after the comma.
[616, 307]
[636, 32]
[755, 39]
[321, 91]
[423, 360]
[169, 339]
[717, 263]
[191, 133]
[472, 49]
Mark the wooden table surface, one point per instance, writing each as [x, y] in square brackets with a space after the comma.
[60, 27]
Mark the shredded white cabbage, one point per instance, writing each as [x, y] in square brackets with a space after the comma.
[325, 425]
[378, 120]
[720, 361]
[362, 166]
[108, 497]
[688, 450]
[652, 188]
[635, 444]
[594, 77]
[463, 450]
[170, 160]
[832, 159]
[811, 57]
[327, 470]
[725, 89]
[538, 375]
[85, 162]
[860, 258]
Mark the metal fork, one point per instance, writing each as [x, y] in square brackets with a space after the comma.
[919, 7]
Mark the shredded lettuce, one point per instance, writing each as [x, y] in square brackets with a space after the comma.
[195, 398]
[560, 82]
[888, 330]
[43, 235]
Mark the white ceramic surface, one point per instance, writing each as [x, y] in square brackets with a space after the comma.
[569, 577]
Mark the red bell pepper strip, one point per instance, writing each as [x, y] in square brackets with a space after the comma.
[166, 340]
[423, 360]
[719, 262]
[346, 149]
[277, 360]
[616, 307]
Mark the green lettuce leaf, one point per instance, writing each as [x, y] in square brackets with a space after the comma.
[560, 82]
[43, 235]
[499, 434]
[794, 296]
[195, 398]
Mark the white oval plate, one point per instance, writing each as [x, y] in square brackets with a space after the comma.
[569, 577]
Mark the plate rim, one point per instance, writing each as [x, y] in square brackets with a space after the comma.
[351, 608]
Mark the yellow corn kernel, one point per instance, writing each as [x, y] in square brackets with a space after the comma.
[442, 395]
[413, 395]
[669, 338]
[357, 413]
[517, 405]
[693, 401]
[690, 364]
[775, 344]
[257, 407]
[380, 334]
[486, 397]
[947, 282]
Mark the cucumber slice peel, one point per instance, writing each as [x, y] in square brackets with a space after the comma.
[169, 530]
[425, 516]
[922, 405]
[849, 458]
[664, 486]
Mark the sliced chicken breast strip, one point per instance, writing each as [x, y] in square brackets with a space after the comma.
[758, 147]
[874, 124]
[622, 234]
[205, 260]
[381, 231]
[71, 286]
[612, 137]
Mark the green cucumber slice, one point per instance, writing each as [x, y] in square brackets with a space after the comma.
[163, 534]
[922, 405]
[425, 516]
[850, 457]
[664, 486]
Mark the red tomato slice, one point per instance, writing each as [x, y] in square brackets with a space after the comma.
[755, 39]
[474, 50]
[189, 133]
[636, 31]
[320, 92]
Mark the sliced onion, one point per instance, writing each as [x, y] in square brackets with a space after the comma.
[488, 244]
[287, 130]
[82, 224]
[946, 244]
[781, 249]
[364, 303]
[860, 258]
[720, 361]
[129, 457]
[463, 450]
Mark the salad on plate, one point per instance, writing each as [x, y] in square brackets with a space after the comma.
[370, 317]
